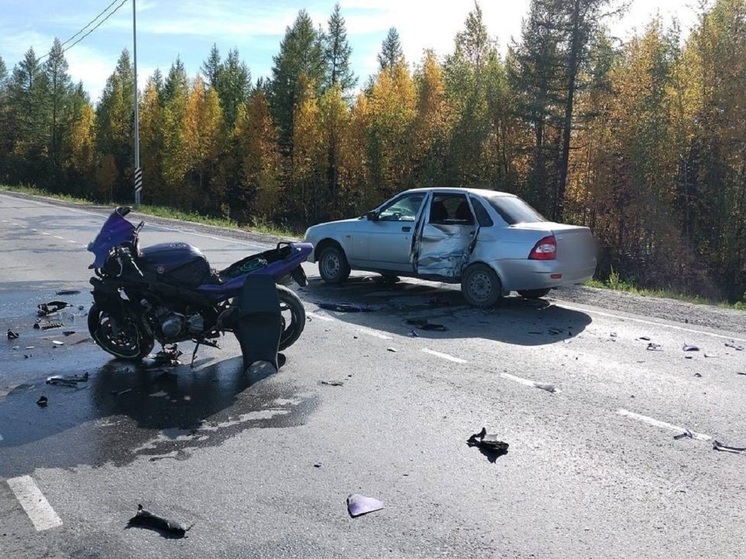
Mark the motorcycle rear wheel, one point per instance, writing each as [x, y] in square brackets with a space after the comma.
[121, 338]
[293, 316]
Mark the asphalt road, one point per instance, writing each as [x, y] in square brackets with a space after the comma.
[262, 467]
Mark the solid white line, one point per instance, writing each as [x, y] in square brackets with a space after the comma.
[663, 424]
[34, 503]
[519, 380]
[651, 323]
[374, 333]
[444, 356]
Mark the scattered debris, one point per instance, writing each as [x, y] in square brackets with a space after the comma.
[47, 324]
[685, 435]
[42, 401]
[57, 343]
[67, 380]
[734, 346]
[344, 307]
[644, 338]
[68, 292]
[413, 334]
[333, 382]
[654, 347]
[391, 349]
[357, 504]
[689, 347]
[169, 355]
[45, 309]
[317, 465]
[439, 301]
[612, 335]
[68, 332]
[12, 335]
[717, 445]
[546, 386]
[423, 324]
[699, 375]
[555, 331]
[125, 391]
[167, 528]
[489, 445]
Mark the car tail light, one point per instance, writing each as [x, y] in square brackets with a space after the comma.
[545, 249]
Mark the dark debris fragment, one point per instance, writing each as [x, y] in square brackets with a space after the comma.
[167, 528]
[12, 335]
[689, 347]
[169, 355]
[45, 309]
[344, 307]
[652, 346]
[69, 380]
[47, 324]
[734, 346]
[717, 445]
[42, 401]
[68, 292]
[488, 444]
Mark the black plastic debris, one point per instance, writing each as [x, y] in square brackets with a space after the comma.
[546, 386]
[344, 307]
[644, 338]
[734, 346]
[358, 505]
[333, 382]
[12, 335]
[413, 334]
[391, 349]
[68, 292]
[698, 375]
[42, 401]
[167, 528]
[169, 355]
[689, 347]
[685, 435]
[47, 324]
[67, 380]
[423, 324]
[717, 445]
[45, 309]
[652, 346]
[488, 444]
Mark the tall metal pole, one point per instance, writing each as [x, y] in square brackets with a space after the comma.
[138, 170]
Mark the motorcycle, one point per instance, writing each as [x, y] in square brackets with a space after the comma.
[169, 293]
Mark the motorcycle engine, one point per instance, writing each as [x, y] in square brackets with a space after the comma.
[174, 325]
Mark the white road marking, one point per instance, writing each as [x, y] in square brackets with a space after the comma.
[444, 355]
[663, 424]
[651, 323]
[374, 333]
[71, 241]
[60, 238]
[34, 503]
[519, 380]
[320, 317]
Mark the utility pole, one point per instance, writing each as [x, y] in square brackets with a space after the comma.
[138, 170]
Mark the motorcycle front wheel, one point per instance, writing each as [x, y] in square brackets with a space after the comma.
[293, 316]
[123, 338]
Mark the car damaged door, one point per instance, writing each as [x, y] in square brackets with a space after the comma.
[445, 236]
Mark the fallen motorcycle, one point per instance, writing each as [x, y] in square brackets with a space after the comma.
[169, 293]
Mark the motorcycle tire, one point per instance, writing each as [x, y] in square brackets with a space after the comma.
[293, 316]
[122, 339]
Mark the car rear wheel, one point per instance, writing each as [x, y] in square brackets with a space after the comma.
[533, 293]
[333, 266]
[481, 286]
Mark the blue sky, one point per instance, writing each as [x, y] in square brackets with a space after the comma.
[188, 29]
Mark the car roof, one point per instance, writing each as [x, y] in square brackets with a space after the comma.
[445, 189]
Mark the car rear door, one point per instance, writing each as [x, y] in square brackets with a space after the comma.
[445, 236]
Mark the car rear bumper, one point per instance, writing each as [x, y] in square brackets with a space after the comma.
[543, 274]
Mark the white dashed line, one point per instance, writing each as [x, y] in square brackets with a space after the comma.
[375, 334]
[663, 424]
[32, 500]
[443, 355]
[519, 380]
[70, 241]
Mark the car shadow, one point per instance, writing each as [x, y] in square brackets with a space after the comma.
[439, 311]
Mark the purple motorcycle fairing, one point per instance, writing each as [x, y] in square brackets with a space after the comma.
[115, 231]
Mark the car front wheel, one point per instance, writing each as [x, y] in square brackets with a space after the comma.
[481, 286]
[333, 266]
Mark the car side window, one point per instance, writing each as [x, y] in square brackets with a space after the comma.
[404, 208]
[483, 216]
[451, 209]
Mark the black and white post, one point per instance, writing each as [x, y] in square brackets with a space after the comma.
[138, 169]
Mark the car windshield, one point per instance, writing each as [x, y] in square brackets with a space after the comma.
[514, 210]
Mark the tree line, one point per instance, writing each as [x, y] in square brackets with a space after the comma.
[643, 141]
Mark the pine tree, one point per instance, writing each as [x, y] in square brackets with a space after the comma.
[233, 86]
[391, 51]
[337, 52]
[60, 86]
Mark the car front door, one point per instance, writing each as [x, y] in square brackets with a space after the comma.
[445, 236]
[387, 237]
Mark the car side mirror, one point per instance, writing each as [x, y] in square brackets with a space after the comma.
[372, 215]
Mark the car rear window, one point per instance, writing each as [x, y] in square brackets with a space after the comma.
[514, 210]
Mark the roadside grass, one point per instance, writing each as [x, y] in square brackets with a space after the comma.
[614, 283]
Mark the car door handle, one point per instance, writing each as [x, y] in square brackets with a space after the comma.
[406, 229]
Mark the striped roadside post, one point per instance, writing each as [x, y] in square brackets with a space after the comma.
[138, 184]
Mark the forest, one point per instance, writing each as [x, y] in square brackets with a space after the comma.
[644, 141]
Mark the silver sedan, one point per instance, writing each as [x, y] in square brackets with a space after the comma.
[490, 242]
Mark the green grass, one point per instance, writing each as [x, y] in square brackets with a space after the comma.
[162, 211]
